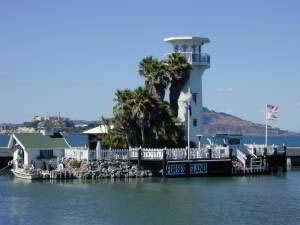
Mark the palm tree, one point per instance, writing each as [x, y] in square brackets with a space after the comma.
[123, 115]
[154, 72]
[178, 70]
[143, 106]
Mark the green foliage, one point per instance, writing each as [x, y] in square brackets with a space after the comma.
[154, 72]
[141, 117]
[178, 70]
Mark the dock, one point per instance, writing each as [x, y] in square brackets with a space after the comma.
[293, 157]
[217, 161]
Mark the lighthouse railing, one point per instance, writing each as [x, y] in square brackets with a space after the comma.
[197, 58]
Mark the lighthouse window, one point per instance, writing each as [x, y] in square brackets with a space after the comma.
[184, 48]
[195, 122]
[194, 47]
[176, 48]
[194, 95]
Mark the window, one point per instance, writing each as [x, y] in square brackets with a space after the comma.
[195, 122]
[194, 96]
[46, 153]
[176, 48]
[184, 47]
[194, 47]
[234, 141]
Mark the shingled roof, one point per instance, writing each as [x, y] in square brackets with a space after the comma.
[40, 141]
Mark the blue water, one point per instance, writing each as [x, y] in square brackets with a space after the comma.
[258, 200]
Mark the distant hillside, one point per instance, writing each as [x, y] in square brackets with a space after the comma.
[214, 122]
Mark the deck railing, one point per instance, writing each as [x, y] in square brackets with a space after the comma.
[171, 154]
[260, 150]
[197, 58]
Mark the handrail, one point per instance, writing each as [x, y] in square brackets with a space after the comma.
[241, 157]
[196, 57]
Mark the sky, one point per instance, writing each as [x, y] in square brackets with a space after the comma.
[71, 56]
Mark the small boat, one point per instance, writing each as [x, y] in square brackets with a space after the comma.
[25, 174]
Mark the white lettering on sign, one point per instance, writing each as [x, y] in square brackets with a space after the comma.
[198, 168]
[175, 169]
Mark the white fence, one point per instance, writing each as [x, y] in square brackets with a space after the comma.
[80, 153]
[205, 152]
[171, 154]
[260, 150]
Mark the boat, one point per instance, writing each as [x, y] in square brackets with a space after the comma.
[25, 174]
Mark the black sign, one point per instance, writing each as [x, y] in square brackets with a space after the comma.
[198, 168]
[179, 169]
[176, 169]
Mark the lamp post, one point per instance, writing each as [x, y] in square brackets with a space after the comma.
[188, 99]
[199, 140]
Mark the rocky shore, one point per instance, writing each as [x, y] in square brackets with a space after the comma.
[101, 169]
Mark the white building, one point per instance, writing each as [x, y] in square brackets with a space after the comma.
[37, 149]
[191, 48]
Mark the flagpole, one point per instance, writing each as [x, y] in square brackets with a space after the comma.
[188, 134]
[266, 125]
[188, 121]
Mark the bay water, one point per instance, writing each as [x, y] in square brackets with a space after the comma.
[270, 199]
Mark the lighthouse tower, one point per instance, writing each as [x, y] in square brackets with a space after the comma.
[191, 49]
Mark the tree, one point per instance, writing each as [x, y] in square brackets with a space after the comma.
[143, 105]
[178, 70]
[114, 138]
[141, 117]
[154, 72]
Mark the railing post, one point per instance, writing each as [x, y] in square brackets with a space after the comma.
[230, 153]
[128, 154]
[139, 158]
[165, 162]
[187, 153]
[209, 153]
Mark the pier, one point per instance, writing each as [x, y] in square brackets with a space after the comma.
[293, 157]
[206, 161]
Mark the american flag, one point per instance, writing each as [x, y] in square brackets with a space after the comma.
[272, 112]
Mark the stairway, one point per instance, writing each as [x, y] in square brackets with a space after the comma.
[247, 165]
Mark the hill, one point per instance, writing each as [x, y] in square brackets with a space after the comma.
[218, 122]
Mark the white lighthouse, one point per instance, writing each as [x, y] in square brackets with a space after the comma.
[191, 48]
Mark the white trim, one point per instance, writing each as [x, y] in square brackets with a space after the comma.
[201, 40]
[19, 142]
[10, 142]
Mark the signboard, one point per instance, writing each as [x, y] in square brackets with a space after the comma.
[176, 169]
[198, 168]
[179, 169]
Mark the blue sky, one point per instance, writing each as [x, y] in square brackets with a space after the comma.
[70, 56]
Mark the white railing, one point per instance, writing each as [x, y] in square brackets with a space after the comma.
[197, 58]
[114, 154]
[220, 152]
[171, 154]
[206, 152]
[241, 157]
[260, 150]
